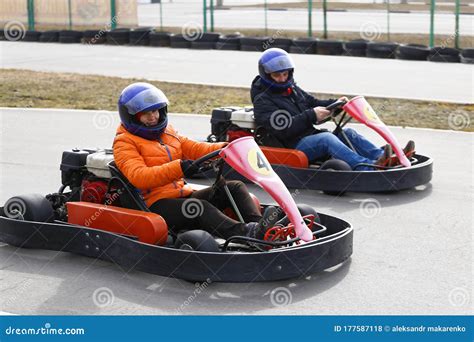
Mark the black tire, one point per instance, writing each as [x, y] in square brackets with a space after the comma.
[31, 207]
[335, 165]
[69, 40]
[356, 48]
[94, 37]
[444, 54]
[31, 36]
[254, 43]
[381, 50]
[413, 52]
[304, 46]
[467, 56]
[71, 33]
[227, 46]
[281, 43]
[304, 210]
[49, 37]
[160, 38]
[230, 39]
[198, 45]
[179, 41]
[70, 37]
[210, 37]
[118, 36]
[330, 47]
[140, 36]
[197, 240]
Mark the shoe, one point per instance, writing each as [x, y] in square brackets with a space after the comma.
[258, 229]
[386, 158]
[409, 149]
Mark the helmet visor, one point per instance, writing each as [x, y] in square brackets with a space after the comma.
[279, 63]
[146, 100]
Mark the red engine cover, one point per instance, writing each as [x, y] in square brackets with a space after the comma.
[93, 191]
[233, 135]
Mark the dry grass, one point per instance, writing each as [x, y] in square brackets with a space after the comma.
[21, 88]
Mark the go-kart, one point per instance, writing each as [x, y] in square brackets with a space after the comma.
[330, 176]
[103, 216]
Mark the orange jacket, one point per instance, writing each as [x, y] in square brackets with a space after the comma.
[154, 167]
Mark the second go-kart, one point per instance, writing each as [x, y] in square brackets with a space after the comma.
[331, 176]
[103, 216]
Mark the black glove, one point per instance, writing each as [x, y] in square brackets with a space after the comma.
[188, 168]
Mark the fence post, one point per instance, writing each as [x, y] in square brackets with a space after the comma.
[70, 14]
[265, 9]
[113, 15]
[212, 15]
[310, 19]
[456, 32]
[204, 15]
[325, 22]
[30, 5]
[432, 12]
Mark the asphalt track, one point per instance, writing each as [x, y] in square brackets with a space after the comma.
[369, 23]
[412, 249]
[422, 80]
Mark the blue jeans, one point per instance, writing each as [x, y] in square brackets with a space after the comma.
[326, 144]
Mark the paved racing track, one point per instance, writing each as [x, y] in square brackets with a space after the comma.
[412, 250]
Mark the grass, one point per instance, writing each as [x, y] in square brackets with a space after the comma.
[22, 88]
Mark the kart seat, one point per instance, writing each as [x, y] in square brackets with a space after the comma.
[129, 195]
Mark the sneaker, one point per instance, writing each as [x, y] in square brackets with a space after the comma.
[258, 229]
[409, 149]
[385, 159]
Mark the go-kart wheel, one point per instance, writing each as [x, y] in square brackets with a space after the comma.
[31, 207]
[197, 240]
[335, 165]
[304, 210]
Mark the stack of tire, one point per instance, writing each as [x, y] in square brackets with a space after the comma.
[70, 37]
[180, 41]
[205, 41]
[94, 37]
[49, 36]
[229, 42]
[281, 43]
[254, 43]
[444, 54]
[140, 36]
[160, 38]
[467, 56]
[381, 50]
[413, 52]
[306, 46]
[356, 48]
[119, 36]
[330, 47]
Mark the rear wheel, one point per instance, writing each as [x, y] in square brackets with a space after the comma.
[335, 165]
[31, 207]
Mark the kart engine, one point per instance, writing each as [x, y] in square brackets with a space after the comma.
[87, 174]
[231, 123]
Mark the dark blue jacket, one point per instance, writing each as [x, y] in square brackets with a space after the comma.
[273, 109]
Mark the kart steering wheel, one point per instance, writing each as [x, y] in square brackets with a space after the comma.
[201, 162]
[336, 107]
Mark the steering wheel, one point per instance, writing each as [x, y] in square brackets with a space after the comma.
[336, 108]
[201, 162]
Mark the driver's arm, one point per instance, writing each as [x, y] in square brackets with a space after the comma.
[131, 164]
[195, 149]
[314, 102]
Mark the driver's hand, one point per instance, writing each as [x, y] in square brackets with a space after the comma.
[321, 113]
[343, 98]
[188, 168]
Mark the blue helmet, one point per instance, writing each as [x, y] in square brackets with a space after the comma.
[142, 97]
[275, 60]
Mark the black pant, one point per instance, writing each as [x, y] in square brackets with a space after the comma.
[203, 210]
